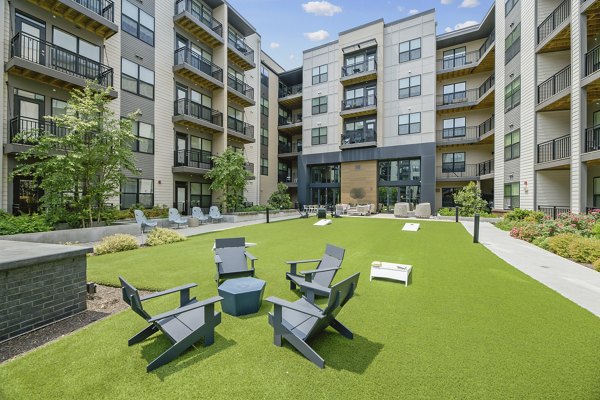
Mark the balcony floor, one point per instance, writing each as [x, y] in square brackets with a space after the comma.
[239, 59]
[558, 40]
[239, 98]
[202, 32]
[292, 101]
[560, 101]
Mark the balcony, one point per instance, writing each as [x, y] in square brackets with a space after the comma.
[290, 96]
[192, 162]
[469, 63]
[97, 16]
[194, 67]
[482, 133]
[591, 144]
[286, 150]
[197, 116]
[360, 138]
[554, 153]
[240, 130]
[25, 132]
[289, 181]
[239, 92]
[52, 65]
[240, 54]
[359, 106]
[592, 71]
[290, 125]
[361, 72]
[465, 172]
[554, 33]
[207, 29]
[553, 93]
[471, 99]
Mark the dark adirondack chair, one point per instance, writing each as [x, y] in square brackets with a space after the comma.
[322, 275]
[183, 326]
[231, 259]
[302, 320]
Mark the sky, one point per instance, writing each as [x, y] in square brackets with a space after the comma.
[287, 27]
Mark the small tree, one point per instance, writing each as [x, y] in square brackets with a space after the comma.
[470, 201]
[280, 199]
[229, 174]
[80, 158]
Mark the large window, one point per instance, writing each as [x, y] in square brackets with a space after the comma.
[359, 97]
[137, 79]
[264, 106]
[77, 46]
[512, 147]
[264, 76]
[409, 123]
[409, 87]
[319, 74]
[387, 196]
[201, 152]
[410, 50]
[453, 162]
[264, 137]
[200, 195]
[59, 107]
[329, 173]
[137, 191]
[511, 195]
[319, 135]
[264, 166]
[144, 134]
[509, 5]
[448, 196]
[138, 23]
[512, 44]
[400, 170]
[512, 94]
[454, 127]
[319, 105]
[454, 58]
[455, 92]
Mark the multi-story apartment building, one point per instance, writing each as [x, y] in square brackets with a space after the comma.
[387, 112]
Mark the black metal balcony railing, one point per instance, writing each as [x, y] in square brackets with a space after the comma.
[555, 149]
[249, 167]
[359, 68]
[486, 126]
[592, 61]
[458, 60]
[359, 102]
[49, 55]
[465, 133]
[485, 168]
[359, 136]
[202, 14]
[592, 139]
[466, 96]
[240, 86]
[463, 170]
[555, 18]
[285, 91]
[193, 158]
[188, 56]
[104, 8]
[25, 130]
[197, 110]
[240, 46]
[285, 148]
[240, 127]
[283, 121]
[554, 211]
[555, 84]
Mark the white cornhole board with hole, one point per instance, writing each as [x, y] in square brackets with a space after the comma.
[386, 270]
[411, 227]
[323, 222]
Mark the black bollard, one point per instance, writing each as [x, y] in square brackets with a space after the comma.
[476, 229]
[267, 215]
[456, 213]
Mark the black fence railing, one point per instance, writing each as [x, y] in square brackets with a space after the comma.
[49, 55]
[554, 211]
[284, 148]
[359, 68]
[466, 96]
[592, 61]
[463, 170]
[240, 46]
[283, 121]
[487, 85]
[25, 130]
[592, 139]
[197, 110]
[193, 158]
[188, 56]
[240, 86]
[285, 91]
[465, 133]
[202, 14]
[556, 83]
[555, 18]
[486, 126]
[359, 136]
[458, 60]
[104, 8]
[240, 127]
[485, 168]
[359, 102]
[555, 149]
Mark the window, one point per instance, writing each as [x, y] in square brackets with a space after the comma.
[137, 79]
[453, 162]
[319, 74]
[596, 199]
[264, 106]
[359, 62]
[448, 196]
[512, 94]
[512, 44]
[138, 23]
[319, 105]
[264, 75]
[512, 146]
[200, 152]
[75, 45]
[410, 50]
[144, 134]
[319, 135]
[455, 93]
[409, 87]
[359, 131]
[511, 195]
[59, 107]
[455, 58]
[137, 191]
[359, 97]
[235, 119]
[328, 173]
[200, 195]
[509, 5]
[400, 170]
[264, 137]
[409, 123]
[264, 166]
[454, 127]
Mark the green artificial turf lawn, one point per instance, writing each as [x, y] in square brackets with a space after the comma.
[469, 326]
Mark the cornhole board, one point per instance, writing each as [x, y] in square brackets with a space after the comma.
[323, 222]
[411, 227]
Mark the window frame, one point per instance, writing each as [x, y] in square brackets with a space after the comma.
[320, 107]
[264, 139]
[135, 129]
[321, 135]
[410, 124]
[320, 75]
[512, 197]
[454, 128]
[137, 79]
[264, 166]
[413, 53]
[509, 149]
[138, 23]
[137, 193]
[456, 165]
[511, 93]
[409, 89]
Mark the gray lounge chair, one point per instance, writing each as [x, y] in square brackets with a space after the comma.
[231, 259]
[215, 214]
[183, 326]
[199, 215]
[302, 320]
[175, 218]
[141, 219]
[322, 275]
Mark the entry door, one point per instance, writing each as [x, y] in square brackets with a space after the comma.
[26, 195]
[33, 32]
[181, 96]
[181, 149]
[370, 96]
[181, 43]
[181, 196]
[30, 112]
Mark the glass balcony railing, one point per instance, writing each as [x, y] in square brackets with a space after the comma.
[359, 68]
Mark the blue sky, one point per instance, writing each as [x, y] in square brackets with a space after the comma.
[289, 26]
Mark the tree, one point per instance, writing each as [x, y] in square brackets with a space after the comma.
[229, 174]
[470, 201]
[80, 158]
[280, 199]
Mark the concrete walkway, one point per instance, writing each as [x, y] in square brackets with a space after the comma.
[575, 282]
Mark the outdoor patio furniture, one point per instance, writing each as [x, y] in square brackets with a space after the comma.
[199, 215]
[363, 209]
[141, 219]
[183, 326]
[401, 210]
[322, 275]
[423, 210]
[176, 218]
[231, 259]
[300, 321]
[242, 296]
[339, 209]
[214, 214]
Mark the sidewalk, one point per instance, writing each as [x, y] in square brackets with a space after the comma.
[575, 282]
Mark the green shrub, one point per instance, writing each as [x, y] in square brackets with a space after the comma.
[256, 208]
[596, 230]
[585, 250]
[446, 212]
[158, 236]
[559, 244]
[596, 265]
[519, 215]
[280, 199]
[116, 243]
[12, 225]
[470, 201]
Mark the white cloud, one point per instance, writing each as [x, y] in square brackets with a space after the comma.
[274, 45]
[412, 11]
[461, 25]
[469, 3]
[400, 8]
[317, 36]
[445, 2]
[321, 8]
